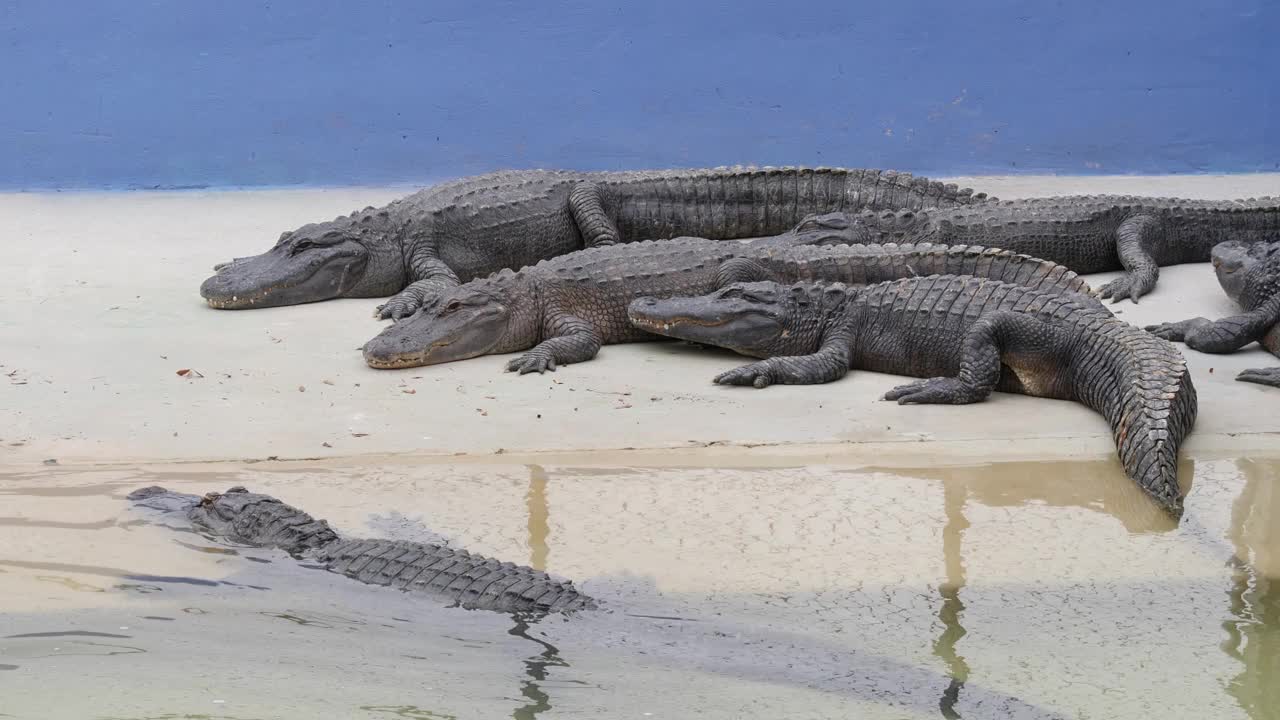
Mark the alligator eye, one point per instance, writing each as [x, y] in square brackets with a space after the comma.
[453, 305]
[302, 245]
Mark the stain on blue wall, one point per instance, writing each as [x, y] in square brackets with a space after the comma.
[126, 93]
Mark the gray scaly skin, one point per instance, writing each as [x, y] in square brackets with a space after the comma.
[424, 244]
[565, 309]
[457, 576]
[1250, 275]
[969, 336]
[1092, 233]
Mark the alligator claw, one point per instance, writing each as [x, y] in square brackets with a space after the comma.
[532, 362]
[756, 374]
[1129, 286]
[398, 309]
[934, 391]
[1261, 376]
[1171, 331]
[1166, 331]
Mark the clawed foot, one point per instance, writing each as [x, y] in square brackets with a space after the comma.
[935, 391]
[755, 374]
[532, 362]
[1171, 331]
[1129, 285]
[403, 305]
[397, 308]
[1261, 376]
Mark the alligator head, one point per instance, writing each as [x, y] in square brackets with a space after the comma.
[164, 501]
[468, 321]
[757, 319]
[350, 256]
[1243, 269]
[214, 513]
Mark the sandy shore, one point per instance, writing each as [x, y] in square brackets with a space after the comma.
[798, 552]
[102, 311]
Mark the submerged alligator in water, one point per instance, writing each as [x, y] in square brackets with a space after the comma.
[425, 243]
[457, 576]
[1250, 275]
[969, 336]
[563, 310]
[667, 638]
[1091, 233]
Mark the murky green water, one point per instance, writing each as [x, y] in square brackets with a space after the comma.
[1028, 590]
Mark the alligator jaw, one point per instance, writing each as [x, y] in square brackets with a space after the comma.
[665, 325]
[379, 357]
[435, 337]
[277, 277]
[744, 327]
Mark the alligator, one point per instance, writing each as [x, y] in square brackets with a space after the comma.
[968, 336]
[1250, 275]
[1092, 233]
[660, 632]
[421, 245]
[564, 309]
[457, 576]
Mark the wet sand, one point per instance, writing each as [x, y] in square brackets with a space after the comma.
[794, 552]
[1034, 590]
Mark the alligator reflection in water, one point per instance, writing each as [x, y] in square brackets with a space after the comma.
[954, 496]
[1253, 633]
[536, 667]
[539, 518]
[1086, 484]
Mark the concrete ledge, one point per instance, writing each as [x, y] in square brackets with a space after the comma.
[100, 312]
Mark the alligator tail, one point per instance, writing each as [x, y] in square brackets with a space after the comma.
[1142, 386]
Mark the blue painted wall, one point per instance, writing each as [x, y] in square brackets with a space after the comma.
[128, 93]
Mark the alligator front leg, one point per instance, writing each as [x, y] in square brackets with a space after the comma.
[435, 279]
[829, 364]
[571, 340]
[1225, 335]
[1178, 331]
[979, 363]
[1261, 376]
[1134, 239]
[593, 222]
